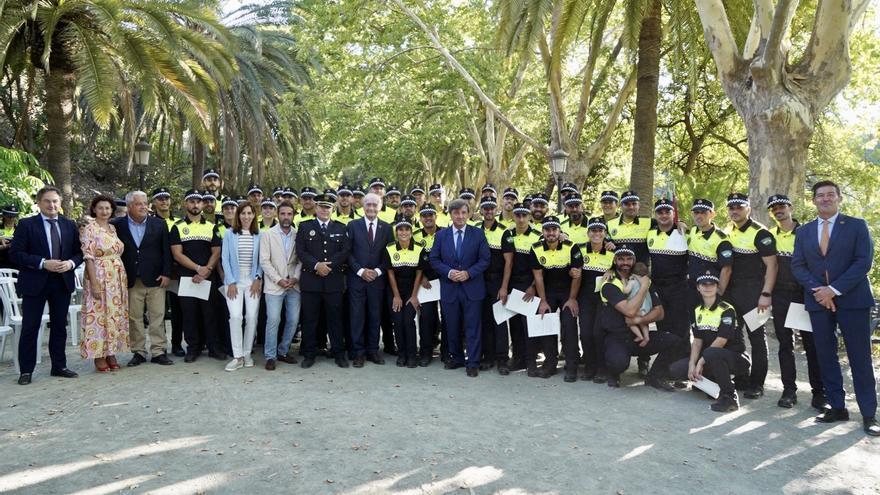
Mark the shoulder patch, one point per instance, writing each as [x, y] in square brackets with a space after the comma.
[767, 241]
[727, 320]
[727, 253]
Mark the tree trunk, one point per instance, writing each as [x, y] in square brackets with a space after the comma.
[198, 164]
[645, 119]
[60, 85]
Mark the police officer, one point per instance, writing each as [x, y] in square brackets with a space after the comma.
[211, 183]
[631, 229]
[618, 312]
[267, 219]
[323, 245]
[278, 195]
[357, 200]
[718, 350]
[289, 195]
[597, 261]
[516, 244]
[161, 201]
[575, 225]
[495, 345]
[344, 211]
[7, 230]
[405, 261]
[391, 202]
[556, 265]
[429, 316]
[609, 200]
[255, 196]
[228, 207]
[195, 247]
[785, 292]
[418, 192]
[407, 211]
[468, 194]
[508, 199]
[751, 280]
[709, 249]
[435, 196]
[307, 201]
[539, 208]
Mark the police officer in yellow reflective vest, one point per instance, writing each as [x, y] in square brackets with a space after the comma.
[516, 244]
[556, 266]
[344, 211]
[7, 230]
[228, 207]
[597, 261]
[631, 229]
[751, 281]
[708, 248]
[575, 224]
[785, 292]
[495, 343]
[718, 350]
[405, 261]
[429, 313]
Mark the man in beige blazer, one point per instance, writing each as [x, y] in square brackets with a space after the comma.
[281, 273]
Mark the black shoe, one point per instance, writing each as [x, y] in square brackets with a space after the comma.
[219, 356]
[484, 366]
[64, 373]
[341, 362]
[643, 369]
[424, 362]
[358, 362]
[587, 374]
[473, 372]
[833, 415]
[190, 358]
[517, 365]
[375, 358]
[308, 362]
[819, 402]
[601, 377]
[570, 378]
[871, 427]
[401, 361]
[725, 403]
[24, 379]
[543, 373]
[452, 365]
[754, 393]
[391, 351]
[289, 359]
[178, 351]
[679, 384]
[788, 400]
[659, 384]
[160, 359]
[412, 363]
[613, 382]
[503, 370]
[136, 360]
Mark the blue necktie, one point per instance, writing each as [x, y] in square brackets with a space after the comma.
[56, 239]
[458, 234]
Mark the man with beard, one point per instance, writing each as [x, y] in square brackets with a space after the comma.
[618, 313]
[575, 226]
[539, 207]
[211, 183]
[344, 212]
[391, 203]
[407, 211]
[508, 199]
[631, 229]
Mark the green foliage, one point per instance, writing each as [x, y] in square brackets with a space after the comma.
[20, 178]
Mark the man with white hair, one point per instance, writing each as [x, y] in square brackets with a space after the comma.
[366, 280]
[147, 261]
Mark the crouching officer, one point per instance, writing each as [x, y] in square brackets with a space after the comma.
[718, 350]
[619, 312]
[556, 266]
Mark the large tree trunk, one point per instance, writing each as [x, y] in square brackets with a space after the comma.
[645, 123]
[198, 163]
[60, 86]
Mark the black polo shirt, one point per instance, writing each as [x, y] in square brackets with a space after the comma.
[612, 320]
[556, 263]
[197, 239]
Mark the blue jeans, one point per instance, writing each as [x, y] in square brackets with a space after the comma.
[291, 302]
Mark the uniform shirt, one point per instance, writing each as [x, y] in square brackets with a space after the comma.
[555, 264]
[707, 251]
[610, 318]
[634, 234]
[302, 217]
[265, 228]
[197, 239]
[667, 262]
[750, 243]
[785, 250]
[169, 222]
[222, 227]
[719, 320]
[442, 219]
[387, 214]
[521, 247]
[427, 241]
[577, 233]
[405, 263]
[343, 218]
[494, 237]
[595, 265]
[7, 233]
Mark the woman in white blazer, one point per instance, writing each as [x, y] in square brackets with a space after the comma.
[243, 280]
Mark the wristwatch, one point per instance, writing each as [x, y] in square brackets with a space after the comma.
[765, 294]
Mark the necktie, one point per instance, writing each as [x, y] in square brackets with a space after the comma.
[370, 233]
[823, 241]
[458, 234]
[323, 228]
[56, 239]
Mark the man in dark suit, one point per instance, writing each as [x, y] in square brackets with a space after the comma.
[832, 258]
[323, 246]
[147, 260]
[366, 280]
[460, 255]
[46, 249]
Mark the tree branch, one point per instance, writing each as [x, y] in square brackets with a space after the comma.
[732, 144]
[719, 36]
[762, 19]
[472, 128]
[600, 20]
[774, 51]
[597, 148]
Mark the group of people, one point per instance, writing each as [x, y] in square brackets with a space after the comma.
[345, 267]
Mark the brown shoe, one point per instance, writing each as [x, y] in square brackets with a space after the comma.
[287, 359]
[270, 364]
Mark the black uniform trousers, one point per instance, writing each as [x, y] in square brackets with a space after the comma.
[429, 328]
[678, 310]
[388, 344]
[57, 295]
[518, 330]
[719, 365]
[496, 344]
[620, 347]
[404, 321]
[317, 306]
[591, 339]
[549, 345]
[782, 299]
[744, 294]
[174, 314]
[200, 325]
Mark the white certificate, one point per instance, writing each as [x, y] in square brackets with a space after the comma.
[516, 304]
[798, 318]
[501, 313]
[430, 295]
[543, 325]
[709, 387]
[599, 282]
[754, 318]
[188, 288]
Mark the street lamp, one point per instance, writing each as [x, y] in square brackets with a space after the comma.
[141, 159]
[558, 164]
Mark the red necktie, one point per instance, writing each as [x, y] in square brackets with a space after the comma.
[370, 232]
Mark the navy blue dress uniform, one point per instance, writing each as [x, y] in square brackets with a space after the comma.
[718, 321]
[617, 339]
[596, 263]
[669, 272]
[632, 232]
[496, 344]
[320, 241]
[518, 246]
[405, 264]
[751, 243]
[554, 264]
[430, 325]
[787, 291]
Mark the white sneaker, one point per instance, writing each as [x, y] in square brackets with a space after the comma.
[248, 362]
[233, 365]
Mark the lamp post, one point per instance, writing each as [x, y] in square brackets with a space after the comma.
[141, 159]
[558, 164]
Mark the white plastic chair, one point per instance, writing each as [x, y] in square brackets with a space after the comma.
[9, 273]
[75, 308]
[12, 318]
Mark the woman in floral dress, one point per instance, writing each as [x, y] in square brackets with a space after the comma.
[105, 290]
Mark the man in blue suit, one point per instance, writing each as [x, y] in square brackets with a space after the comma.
[832, 258]
[45, 249]
[366, 280]
[460, 255]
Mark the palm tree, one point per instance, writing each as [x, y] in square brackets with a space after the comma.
[117, 55]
